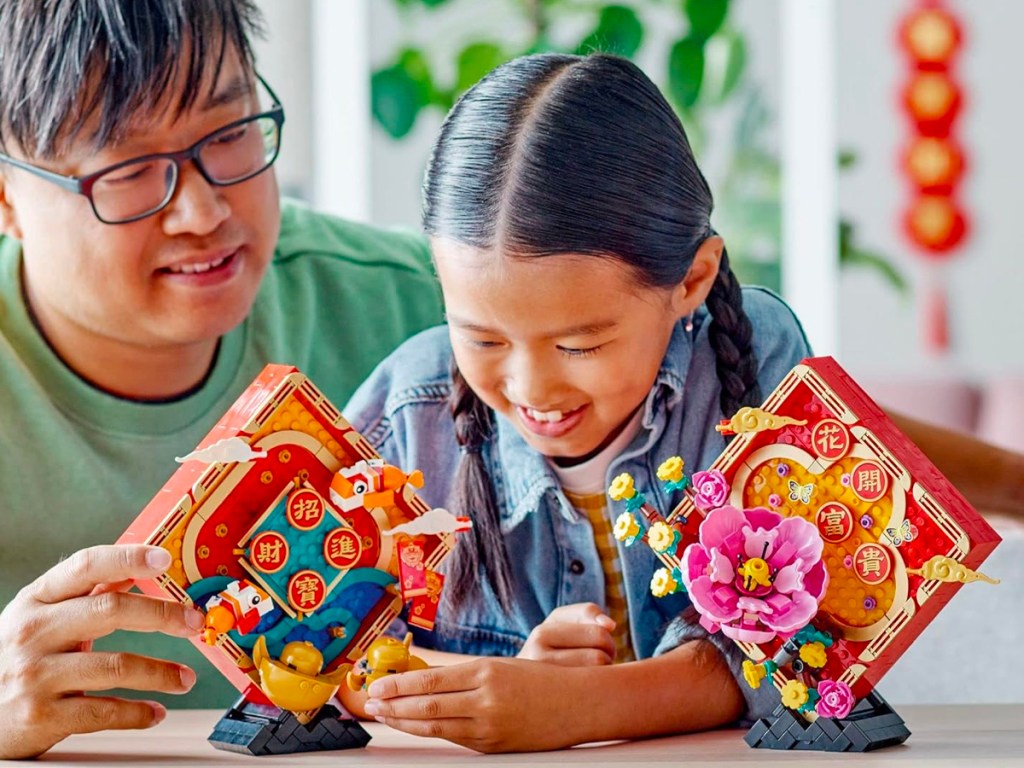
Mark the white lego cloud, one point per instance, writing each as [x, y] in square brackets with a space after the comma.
[228, 449]
[437, 520]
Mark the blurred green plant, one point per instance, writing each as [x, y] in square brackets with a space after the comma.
[704, 67]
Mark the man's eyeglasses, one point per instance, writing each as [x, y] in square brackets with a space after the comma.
[136, 188]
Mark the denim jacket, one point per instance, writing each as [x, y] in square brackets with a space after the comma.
[402, 410]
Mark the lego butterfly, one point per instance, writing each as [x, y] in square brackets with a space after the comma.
[799, 492]
[903, 533]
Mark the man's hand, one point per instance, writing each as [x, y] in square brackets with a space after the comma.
[46, 659]
[577, 635]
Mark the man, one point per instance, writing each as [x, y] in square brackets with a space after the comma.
[147, 273]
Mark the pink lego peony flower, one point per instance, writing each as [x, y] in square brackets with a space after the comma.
[755, 574]
[710, 489]
[836, 699]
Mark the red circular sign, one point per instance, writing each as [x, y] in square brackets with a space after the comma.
[342, 548]
[869, 481]
[305, 509]
[872, 563]
[268, 552]
[835, 522]
[306, 591]
[830, 438]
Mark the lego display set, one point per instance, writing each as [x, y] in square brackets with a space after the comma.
[302, 546]
[822, 542]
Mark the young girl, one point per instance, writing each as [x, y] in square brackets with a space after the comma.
[594, 327]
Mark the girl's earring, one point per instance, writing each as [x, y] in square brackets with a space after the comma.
[689, 323]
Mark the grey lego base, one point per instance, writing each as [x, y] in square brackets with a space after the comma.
[253, 729]
[871, 725]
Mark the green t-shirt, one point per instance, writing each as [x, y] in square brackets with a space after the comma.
[77, 465]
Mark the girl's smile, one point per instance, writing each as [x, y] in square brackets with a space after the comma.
[550, 423]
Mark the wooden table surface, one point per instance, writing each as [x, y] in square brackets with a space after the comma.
[972, 736]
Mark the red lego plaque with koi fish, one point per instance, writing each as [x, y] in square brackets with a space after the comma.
[286, 527]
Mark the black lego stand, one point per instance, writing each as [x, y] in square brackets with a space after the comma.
[871, 725]
[255, 729]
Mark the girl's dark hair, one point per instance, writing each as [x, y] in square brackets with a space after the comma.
[553, 154]
[64, 61]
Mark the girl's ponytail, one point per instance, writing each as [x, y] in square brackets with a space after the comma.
[730, 334]
[473, 497]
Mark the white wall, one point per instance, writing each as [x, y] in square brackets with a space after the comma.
[878, 332]
[985, 280]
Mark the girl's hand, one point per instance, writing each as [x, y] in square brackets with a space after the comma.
[490, 705]
[577, 635]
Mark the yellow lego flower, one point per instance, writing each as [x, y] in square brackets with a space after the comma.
[662, 583]
[626, 527]
[794, 694]
[622, 487]
[813, 655]
[753, 674]
[671, 470]
[661, 538]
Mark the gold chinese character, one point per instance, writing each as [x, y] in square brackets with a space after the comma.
[834, 524]
[342, 547]
[307, 588]
[869, 480]
[871, 562]
[829, 438]
[307, 509]
[268, 551]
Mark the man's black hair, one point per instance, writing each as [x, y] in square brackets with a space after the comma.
[62, 62]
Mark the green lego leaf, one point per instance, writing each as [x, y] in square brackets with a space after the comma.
[619, 31]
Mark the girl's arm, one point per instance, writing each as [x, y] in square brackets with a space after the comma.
[991, 478]
[514, 705]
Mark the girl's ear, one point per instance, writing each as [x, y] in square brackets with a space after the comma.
[696, 285]
[8, 217]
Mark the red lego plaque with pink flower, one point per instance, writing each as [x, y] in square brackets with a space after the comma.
[823, 542]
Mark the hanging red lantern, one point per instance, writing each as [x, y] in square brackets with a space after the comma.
[936, 224]
[932, 160]
[932, 101]
[931, 35]
[933, 164]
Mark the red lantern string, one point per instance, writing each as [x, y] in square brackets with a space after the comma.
[932, 159]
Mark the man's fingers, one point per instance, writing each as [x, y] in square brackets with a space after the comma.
[88, 714]
[94, 616]
[89, 568]
[105, 671]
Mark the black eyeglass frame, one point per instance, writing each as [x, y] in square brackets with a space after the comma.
[82, 185]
